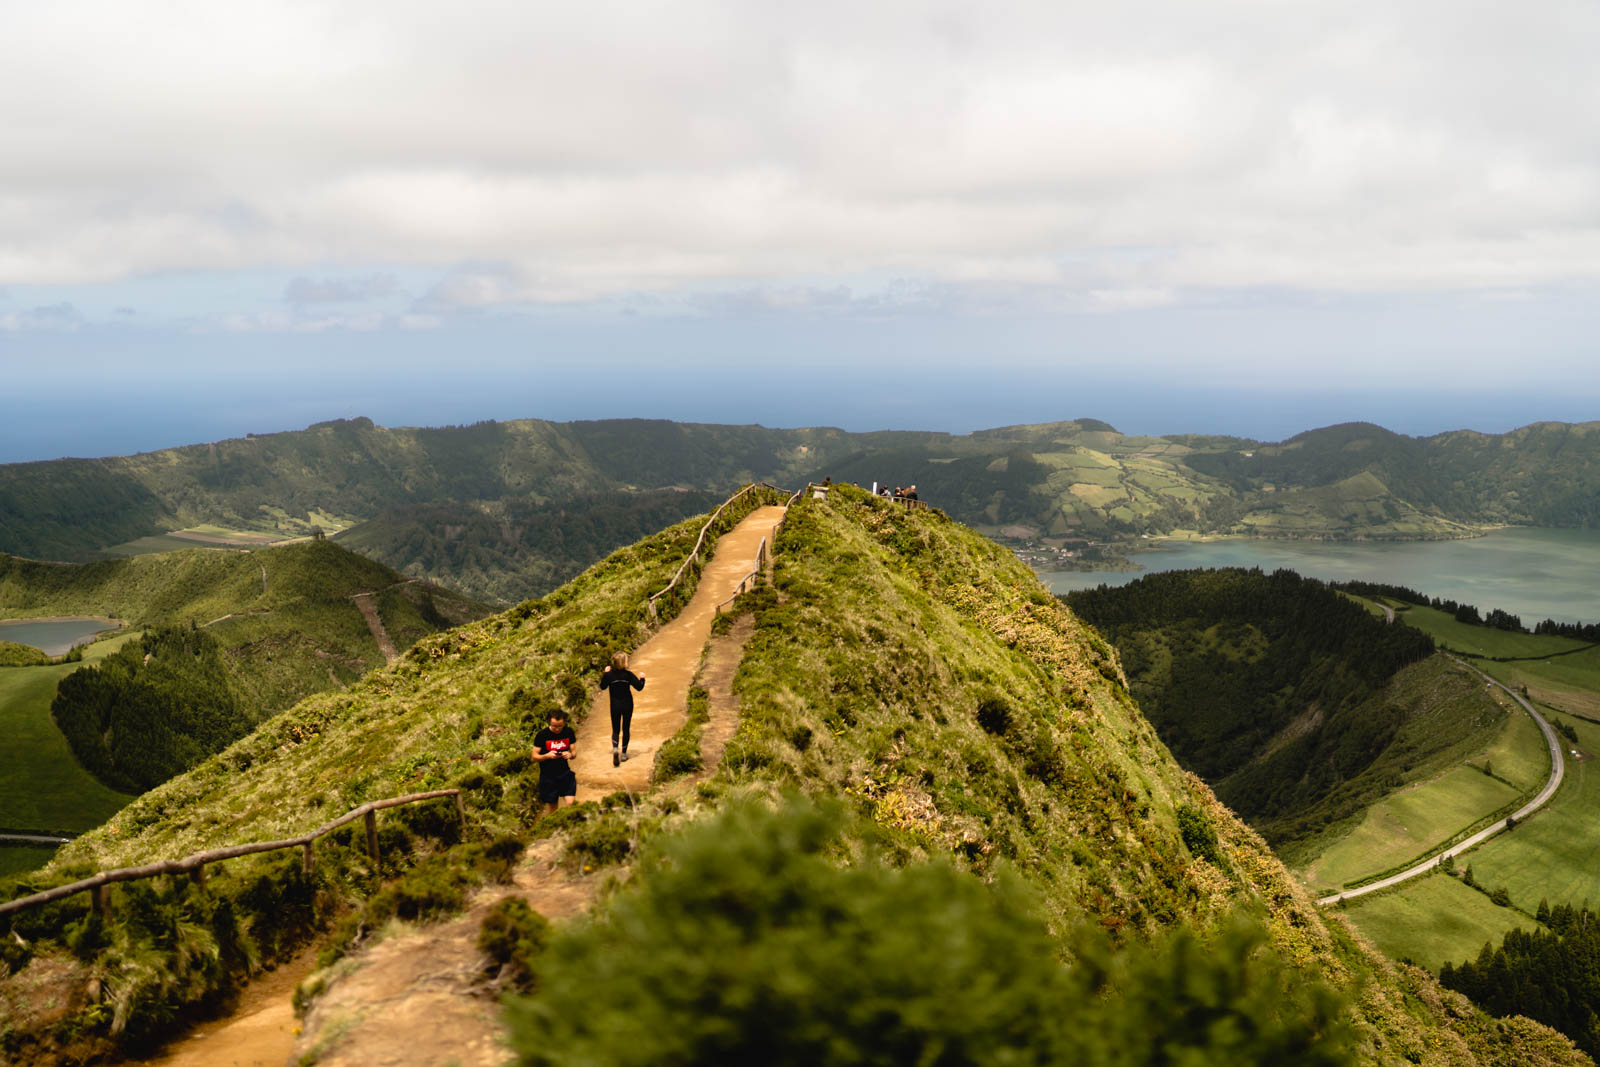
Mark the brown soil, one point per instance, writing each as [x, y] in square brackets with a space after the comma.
[722, 661]
[369, 611]
[259, 1032]
[423, 996]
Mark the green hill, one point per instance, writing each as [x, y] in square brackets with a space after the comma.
[479, 506]
[270, 628]
[974, 732]
[1299, 707]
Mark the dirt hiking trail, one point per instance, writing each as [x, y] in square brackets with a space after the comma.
[420, 997]
[668, 661]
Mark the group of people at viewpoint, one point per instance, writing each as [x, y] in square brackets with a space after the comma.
[554, 746]
[899, 493]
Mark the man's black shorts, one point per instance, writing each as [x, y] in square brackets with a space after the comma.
[554, 788]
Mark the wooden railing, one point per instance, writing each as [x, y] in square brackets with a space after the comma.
[763, 551]
[700, 542]
[195, 866]
[749, 580]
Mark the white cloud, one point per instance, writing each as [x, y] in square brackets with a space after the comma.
[1083, 155]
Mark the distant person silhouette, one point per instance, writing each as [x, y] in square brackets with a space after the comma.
[618, 679]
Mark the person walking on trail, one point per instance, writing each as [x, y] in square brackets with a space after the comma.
[553, 751]
[621, 681]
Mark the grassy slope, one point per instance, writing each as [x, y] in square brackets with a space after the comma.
[284, 615]
[863, 684]
[866, 680]
[1548, 857]
[42, 787]
[1432, 920]
[442, 712]
[1552, 854]
[1482, 640]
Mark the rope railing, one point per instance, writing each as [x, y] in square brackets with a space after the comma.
[700, 542]
[195, 866]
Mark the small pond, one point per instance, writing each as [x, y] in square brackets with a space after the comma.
[54, 636]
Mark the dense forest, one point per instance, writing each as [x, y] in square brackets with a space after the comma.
[1552, 975]
[151, 710]
[518, 548]
[1269, 686]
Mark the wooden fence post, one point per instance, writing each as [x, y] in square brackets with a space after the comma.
[102, 901]
[372, 836]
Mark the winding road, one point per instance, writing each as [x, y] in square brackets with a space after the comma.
[1558, 769]
[33, 839]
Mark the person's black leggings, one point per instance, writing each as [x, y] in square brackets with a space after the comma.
[621, 719]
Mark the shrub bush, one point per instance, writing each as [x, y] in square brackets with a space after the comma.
[742, 941]
[512, 936]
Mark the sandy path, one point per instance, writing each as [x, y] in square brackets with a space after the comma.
[668, 661]
[259, 1033]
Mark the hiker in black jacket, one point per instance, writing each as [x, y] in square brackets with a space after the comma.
[618, 678]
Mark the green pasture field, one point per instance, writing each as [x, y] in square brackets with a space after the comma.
[1371, 607]
[1432, 920]
[1407, 824]
[14, 859]
[1552, 855]
[1565, 684]
[147, 546]
[41, 784]
[1429, 784]
[1482, 640]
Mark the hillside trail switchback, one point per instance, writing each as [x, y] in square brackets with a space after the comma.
[419, 997]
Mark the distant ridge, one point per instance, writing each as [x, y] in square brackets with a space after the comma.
[472, 505]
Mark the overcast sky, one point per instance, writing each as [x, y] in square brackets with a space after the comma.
[226, 216]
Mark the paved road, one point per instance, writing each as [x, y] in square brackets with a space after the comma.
[1558, 768]
[34, 839]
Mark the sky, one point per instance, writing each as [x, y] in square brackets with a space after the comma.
[1243, 217]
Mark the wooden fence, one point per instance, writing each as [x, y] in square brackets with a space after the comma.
[749, 580]
[195, 866]
[763, 551]
[700, 543]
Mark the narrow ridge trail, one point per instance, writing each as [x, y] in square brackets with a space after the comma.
[668, 661]
[416, 998]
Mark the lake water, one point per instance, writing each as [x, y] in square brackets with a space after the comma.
[53, 636]
[1535, 573]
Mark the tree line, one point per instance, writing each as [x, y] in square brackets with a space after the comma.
[1552, 974]
[151, 710]
[1495, 618]
[1222, 662]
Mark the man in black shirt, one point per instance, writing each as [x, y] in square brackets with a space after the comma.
[552, 750]
[618, 678]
